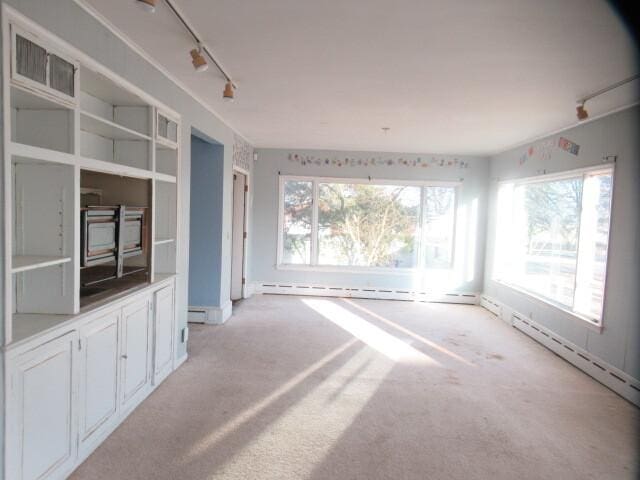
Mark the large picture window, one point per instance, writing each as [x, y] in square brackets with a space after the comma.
[553, 236]
[366, 224]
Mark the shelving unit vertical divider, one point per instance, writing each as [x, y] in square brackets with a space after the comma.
[152, 246]
[76, 202]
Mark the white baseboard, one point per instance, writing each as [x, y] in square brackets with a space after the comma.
[210, 315]
[249, 290]
[285, 288]
[620, 382]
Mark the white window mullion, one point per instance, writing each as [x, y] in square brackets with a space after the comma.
[314, 225]
[421, 226]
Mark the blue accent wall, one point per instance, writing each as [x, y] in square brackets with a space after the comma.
[205, 223]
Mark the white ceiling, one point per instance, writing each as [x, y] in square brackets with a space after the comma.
[447, 76]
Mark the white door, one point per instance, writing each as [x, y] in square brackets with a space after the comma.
[164, 313]
[135, 351]
[40, 411]
[238, 235]
[98, 368]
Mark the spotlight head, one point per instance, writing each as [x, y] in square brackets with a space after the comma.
[228, 91]
[147, 5]
[198, 60]
[581, 112]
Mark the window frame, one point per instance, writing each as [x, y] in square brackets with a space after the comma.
[313, 264]
[591, 321]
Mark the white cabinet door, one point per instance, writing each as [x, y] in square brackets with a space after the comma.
[135, 351]
[164, 314]
[98, 368]
[40, 411]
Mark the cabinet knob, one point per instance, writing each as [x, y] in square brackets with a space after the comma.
[125, 357]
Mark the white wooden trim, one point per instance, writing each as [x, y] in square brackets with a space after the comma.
[547, 177]
[620, 382]
[7, 184]
[246, 226]
[211, 315]
[23, 263]
[371, 180]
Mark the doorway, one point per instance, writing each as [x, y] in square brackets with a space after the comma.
[239, 235]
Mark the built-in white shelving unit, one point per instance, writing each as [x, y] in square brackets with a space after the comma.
[69, 121]
[90, 235]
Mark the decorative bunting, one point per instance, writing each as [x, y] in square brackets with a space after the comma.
[568, 146]
[310, 160]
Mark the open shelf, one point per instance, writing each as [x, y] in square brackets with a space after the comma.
[164, 144]
[100, 126]
[24, 99]
[162, 241]
[40, 122]
[99, 86]
[23, 263]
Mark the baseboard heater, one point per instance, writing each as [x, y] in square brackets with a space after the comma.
[279, 288]
[623, 384]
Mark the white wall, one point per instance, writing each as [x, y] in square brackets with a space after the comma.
[67, 20]
[264, 234]
[619, 342]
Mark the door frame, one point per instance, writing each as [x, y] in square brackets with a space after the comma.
[245, 226]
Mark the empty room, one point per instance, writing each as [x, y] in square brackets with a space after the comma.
[329, 240]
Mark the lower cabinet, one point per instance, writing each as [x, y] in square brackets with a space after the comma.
[135, 352]
[66, 395]
[164, 333]
[40, 439]
[98, 382]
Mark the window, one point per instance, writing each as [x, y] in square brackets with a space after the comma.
[362, 224]
[298, 200]
[553, 236]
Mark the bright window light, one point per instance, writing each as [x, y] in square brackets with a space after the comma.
[373, 336]
[368, 225]
[552, 238]
[298, 199]
[363, 224]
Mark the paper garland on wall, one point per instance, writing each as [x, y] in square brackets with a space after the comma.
[543, 150]
[377, 161]
[568, 146]
[242, 153]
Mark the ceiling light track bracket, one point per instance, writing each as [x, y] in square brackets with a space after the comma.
[199, 42]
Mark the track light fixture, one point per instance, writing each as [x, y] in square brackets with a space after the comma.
[227, 94]
[198, 60]
[198, 55]
[147, 5]
[581, 111]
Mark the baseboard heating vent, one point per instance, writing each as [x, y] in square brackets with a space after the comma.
[368, 292]
[618, 381]
[490, 305]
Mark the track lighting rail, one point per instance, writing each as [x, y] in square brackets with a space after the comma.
[204, 48]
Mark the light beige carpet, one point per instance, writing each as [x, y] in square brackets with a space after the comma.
[313, 388]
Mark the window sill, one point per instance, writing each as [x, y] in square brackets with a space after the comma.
[583, 320]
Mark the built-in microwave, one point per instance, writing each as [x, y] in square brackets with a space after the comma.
[111, 234]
